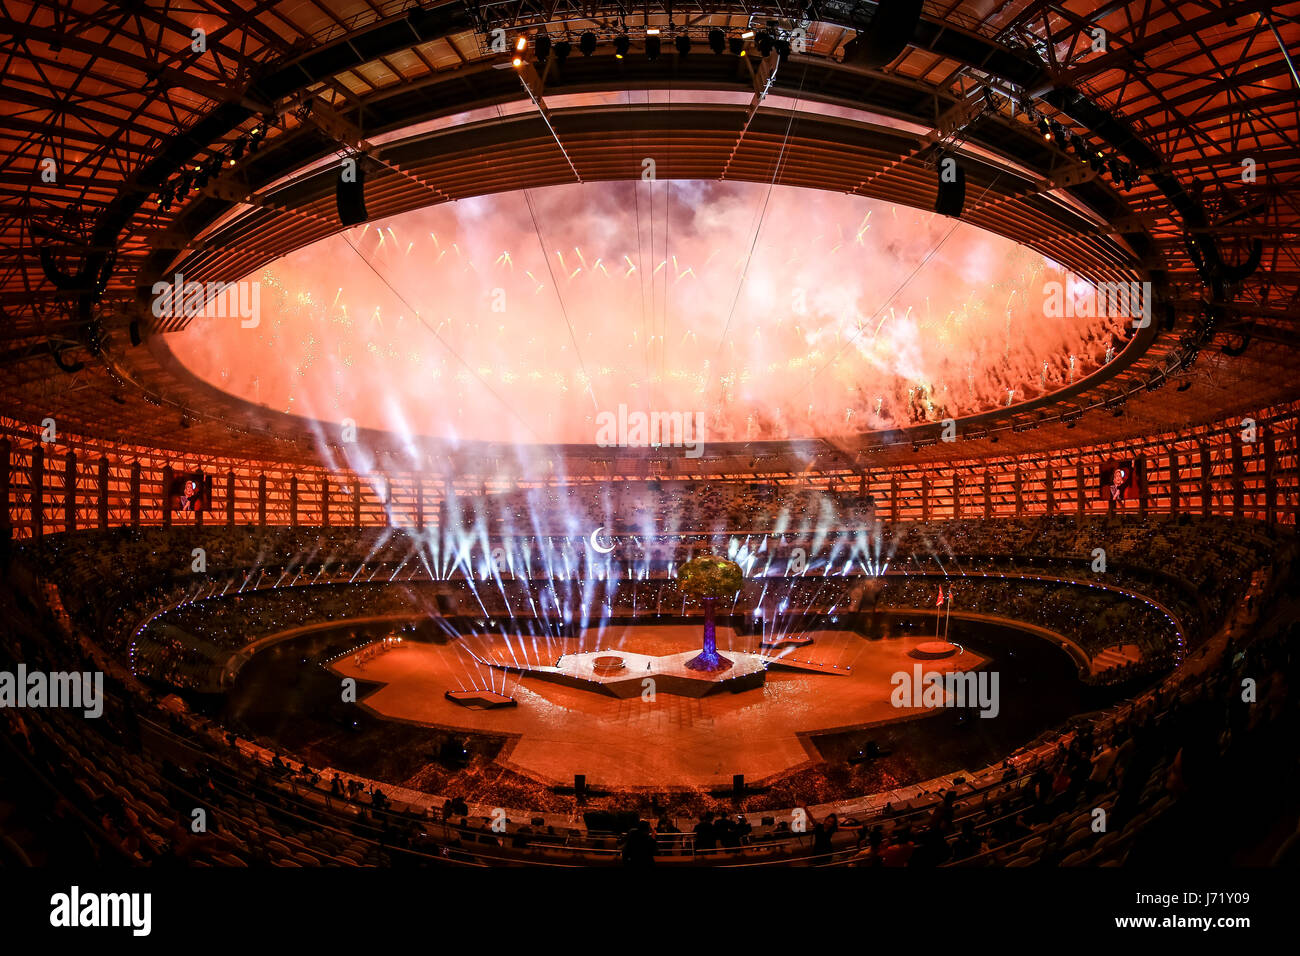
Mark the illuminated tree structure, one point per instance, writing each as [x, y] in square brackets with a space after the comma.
[708, 579]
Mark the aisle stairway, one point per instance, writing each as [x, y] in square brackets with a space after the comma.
[1117, 655]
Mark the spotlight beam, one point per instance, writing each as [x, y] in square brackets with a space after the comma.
[947, 129]
[759, 94]
[762, 78]
[532, 84]
[880, 311]
[335, 126]
[441, 341]
[525, 72]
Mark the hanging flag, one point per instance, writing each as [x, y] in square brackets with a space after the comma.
[939, 602]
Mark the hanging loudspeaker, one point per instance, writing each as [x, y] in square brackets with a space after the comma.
[351, 192]
[950, 194]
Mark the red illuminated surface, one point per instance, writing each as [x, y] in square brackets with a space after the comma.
[522, 318]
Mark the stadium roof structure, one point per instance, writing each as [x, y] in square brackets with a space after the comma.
[110, 107]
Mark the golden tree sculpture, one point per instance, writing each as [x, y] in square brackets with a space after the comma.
[709, 579]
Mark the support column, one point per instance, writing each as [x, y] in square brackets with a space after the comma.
[1270, 478]
[356, 503]
[419, 503]
[893, 497]
[1140, 466]
[293, 501]
[1238, 475]
[1081, 489]
[988, 495]
[925, 496]
[38, 491]
[135, 494]
[230, 499]
[1175, 479]
[6, 516]
[1207, 506]
[1049, 488]
[261, 500]
[164, 501]
[1018, 484]
[325, 501]
[956, 495]
[70, 492]
[102, 503]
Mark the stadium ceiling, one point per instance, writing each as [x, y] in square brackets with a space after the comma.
[107, 105]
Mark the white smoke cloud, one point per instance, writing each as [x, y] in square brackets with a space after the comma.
[463, 324]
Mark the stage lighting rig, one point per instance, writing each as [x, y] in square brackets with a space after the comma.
[683, 44]
[717, 40]
[587, 43]
[652, 44]
[1121, 172]
[621, 45]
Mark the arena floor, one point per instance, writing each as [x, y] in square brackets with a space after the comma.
[670, 741]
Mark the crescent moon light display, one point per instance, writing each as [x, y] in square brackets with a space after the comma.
[595, 543]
